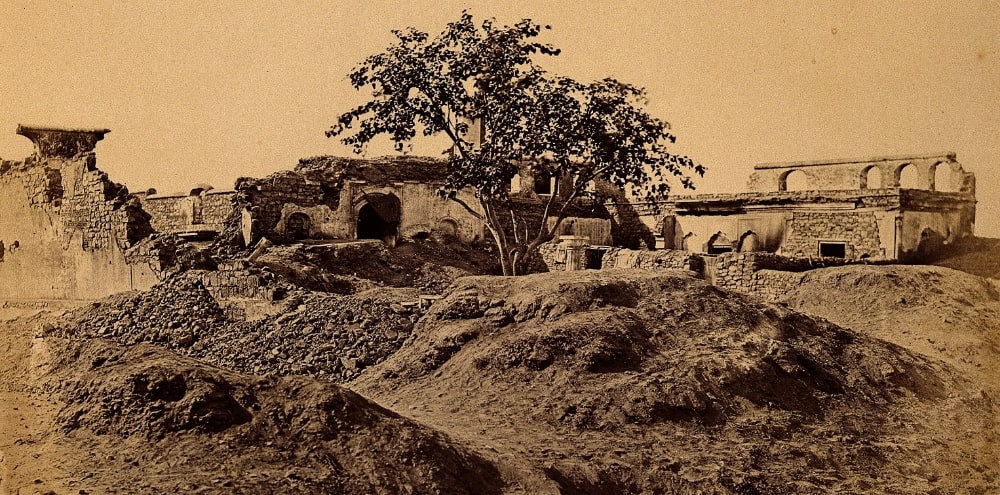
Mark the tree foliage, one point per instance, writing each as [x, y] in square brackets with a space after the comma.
[485, 75]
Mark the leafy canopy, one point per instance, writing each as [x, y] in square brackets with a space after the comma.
[480, 86]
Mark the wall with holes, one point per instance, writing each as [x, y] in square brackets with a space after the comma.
[928, 172]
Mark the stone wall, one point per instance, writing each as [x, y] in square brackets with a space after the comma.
[665, 259]
[851, 174]
[326, 195]
[858, 230]
[765, 275]
[178, 213]
[67, 231]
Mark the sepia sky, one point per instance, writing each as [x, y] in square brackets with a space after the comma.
[198, 91]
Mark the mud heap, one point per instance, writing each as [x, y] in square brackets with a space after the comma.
[635, 382]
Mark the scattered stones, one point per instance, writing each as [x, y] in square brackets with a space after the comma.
[320, 334]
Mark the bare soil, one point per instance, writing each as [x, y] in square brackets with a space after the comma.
[586, 382]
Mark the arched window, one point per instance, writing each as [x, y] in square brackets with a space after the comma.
[909, 177]
[794, 180]
[871, 178]
[686, 242]
[448, 226]
[944, 178]
[749, 242]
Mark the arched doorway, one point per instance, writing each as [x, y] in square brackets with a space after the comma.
[378, 217]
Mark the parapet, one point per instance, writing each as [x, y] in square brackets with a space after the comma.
[935, 172]
[62, 143]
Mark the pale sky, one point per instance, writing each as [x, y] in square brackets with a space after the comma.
[198, 91]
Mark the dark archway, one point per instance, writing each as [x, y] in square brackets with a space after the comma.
[297, 225]
[379, 217]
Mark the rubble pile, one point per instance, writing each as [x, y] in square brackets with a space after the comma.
[326, 335]
[319, 334]
[174, 313]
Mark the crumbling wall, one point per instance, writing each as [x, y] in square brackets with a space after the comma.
[694, 232]
[663, 259]
[852, 174]
[178, 213]
[65, 226]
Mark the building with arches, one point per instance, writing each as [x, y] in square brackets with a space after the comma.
[336, 198]
[903, 208]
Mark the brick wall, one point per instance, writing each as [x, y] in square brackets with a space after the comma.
[72, 228]
[268, 196]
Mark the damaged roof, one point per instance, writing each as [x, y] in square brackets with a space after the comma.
[377, 171]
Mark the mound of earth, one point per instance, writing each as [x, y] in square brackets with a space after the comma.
[156, 422]
[938, 312]
[638, 382]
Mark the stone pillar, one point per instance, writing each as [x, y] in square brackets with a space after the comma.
[576, 255]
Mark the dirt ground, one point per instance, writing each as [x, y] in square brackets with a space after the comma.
[573, 383]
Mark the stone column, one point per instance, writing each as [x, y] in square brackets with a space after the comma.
[576, 256]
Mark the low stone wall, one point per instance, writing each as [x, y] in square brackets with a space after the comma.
[666, 259]
[232, 282]
[768, 275]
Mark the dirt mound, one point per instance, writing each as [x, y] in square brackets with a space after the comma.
[938, 312]
[204, 426]
[639, 382]
[313, 333]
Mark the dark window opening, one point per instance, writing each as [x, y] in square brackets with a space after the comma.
[833, 249]
[543, 182]
[297, 225]
[719, 249]
[595, 258]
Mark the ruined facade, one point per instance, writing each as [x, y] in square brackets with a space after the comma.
[67, 231]
[198, 214]
[903, 208]
[344, 198]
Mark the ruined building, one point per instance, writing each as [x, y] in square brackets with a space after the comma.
[903, 208]
[67, 231]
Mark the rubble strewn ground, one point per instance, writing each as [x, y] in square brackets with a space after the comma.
[618, 381]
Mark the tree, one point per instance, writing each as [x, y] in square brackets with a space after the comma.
[485, 75]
